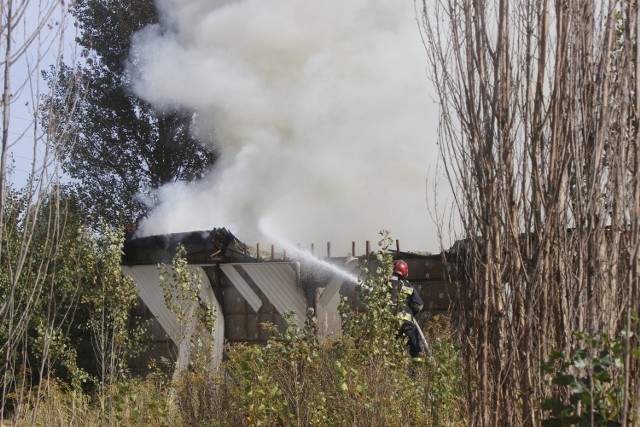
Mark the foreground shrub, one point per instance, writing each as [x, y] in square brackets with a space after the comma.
[54, 404]
[134, 403]
[363, 378]
[588, 384]
[445, 403]
[295, 380]
[203, 399]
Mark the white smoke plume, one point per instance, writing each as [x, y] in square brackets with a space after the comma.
[320, 111]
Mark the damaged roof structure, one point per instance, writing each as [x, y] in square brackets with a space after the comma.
[248, 286]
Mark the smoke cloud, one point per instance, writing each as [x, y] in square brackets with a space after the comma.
[320, 113]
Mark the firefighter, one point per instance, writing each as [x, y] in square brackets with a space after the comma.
[409, 305]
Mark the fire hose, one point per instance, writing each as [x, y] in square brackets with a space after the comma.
[425, 344]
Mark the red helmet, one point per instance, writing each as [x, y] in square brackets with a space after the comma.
[400, 267]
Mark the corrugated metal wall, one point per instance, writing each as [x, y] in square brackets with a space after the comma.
[277, 281]
[151, 293]
[329, 322]
[242, 321]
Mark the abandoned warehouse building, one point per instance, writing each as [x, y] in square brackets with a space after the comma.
[248, 287]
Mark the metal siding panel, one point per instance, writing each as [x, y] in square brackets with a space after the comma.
[278, 282]
[206, 293]
[147, 282]
[335, 284]
[329, 321]
[329, 291]
[243, 287]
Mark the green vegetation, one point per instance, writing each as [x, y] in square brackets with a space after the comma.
[588, 386]
[363, 377]
[65, 312]
[195, 315]
[539, 137]
[71, 366]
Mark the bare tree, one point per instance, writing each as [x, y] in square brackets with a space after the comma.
[32, 36]
[539, 134]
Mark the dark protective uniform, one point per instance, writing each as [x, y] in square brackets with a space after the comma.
[409, 305]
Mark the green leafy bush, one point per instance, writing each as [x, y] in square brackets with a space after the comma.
[365, 377]
[588, 383]
[65, 315]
